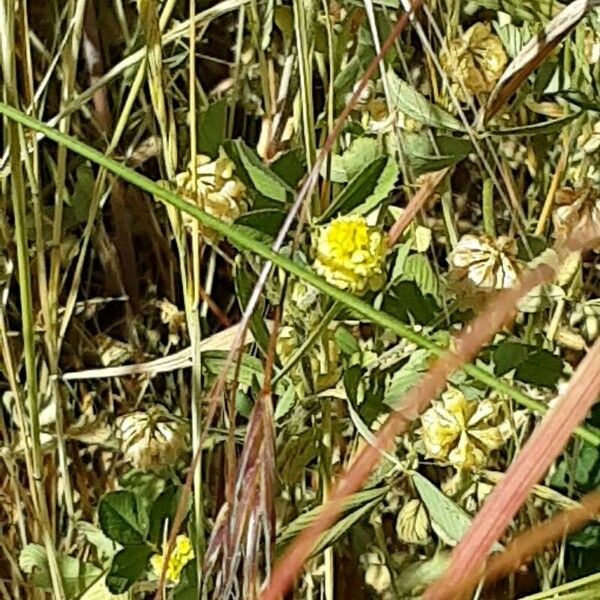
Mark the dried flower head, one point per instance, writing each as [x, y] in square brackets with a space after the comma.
[174, 319]
[218, 191]
[576, 209]
[181, 555]
[153, 439]
[463, 432]
[351, 254]
[476, 60]
[586, 318]
[485, 262]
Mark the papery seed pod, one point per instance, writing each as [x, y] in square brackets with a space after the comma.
[567, 338]
[585, 318]
[218, 191]
[474, 62]
[576, 209]
[153, 439]
[485, 262]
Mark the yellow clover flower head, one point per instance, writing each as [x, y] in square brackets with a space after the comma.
[476, 60]
[351, 254]
[463, 432]
[181, 555]
[218, 191]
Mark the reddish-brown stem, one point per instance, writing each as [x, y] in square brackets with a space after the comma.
[416, 203]
[466, 345]
[533, 461]
[524, 547]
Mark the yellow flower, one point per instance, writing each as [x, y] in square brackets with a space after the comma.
[181, 555]
[463, 432]
[485, 262]
[218, 191]
[351, 254]
[475, 61]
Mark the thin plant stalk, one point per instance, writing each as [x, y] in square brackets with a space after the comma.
[245, 242]
[26, 300]
[193, 314]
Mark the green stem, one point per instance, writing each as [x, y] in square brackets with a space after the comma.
[489, 223]
[308, 342]
[242, 240]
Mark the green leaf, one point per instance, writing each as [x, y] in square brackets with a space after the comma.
[335, 532]
[508, 356]
[424, 157]
[187, 588]
[119, 518]
[532, 365]
[265, 220]
[383, 189]
[448, 520]
[243, 287]
[543, 128]
[408, 303]
[243, 404]
[357, 191]
[586, 538]
[354, 503]
[362, 151]
[76, 575]
[285, 403]
[345, 341]
[536, 246]
[127, 567]
[211, 128]
[163, 509]
[105, 547]
[297, 452]
[290, 167]
[407, 100]
[251, 370]
[256, 175]
[77, 211]
[585, 472]
[417, 268]
[99, 591]
[403, 379]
